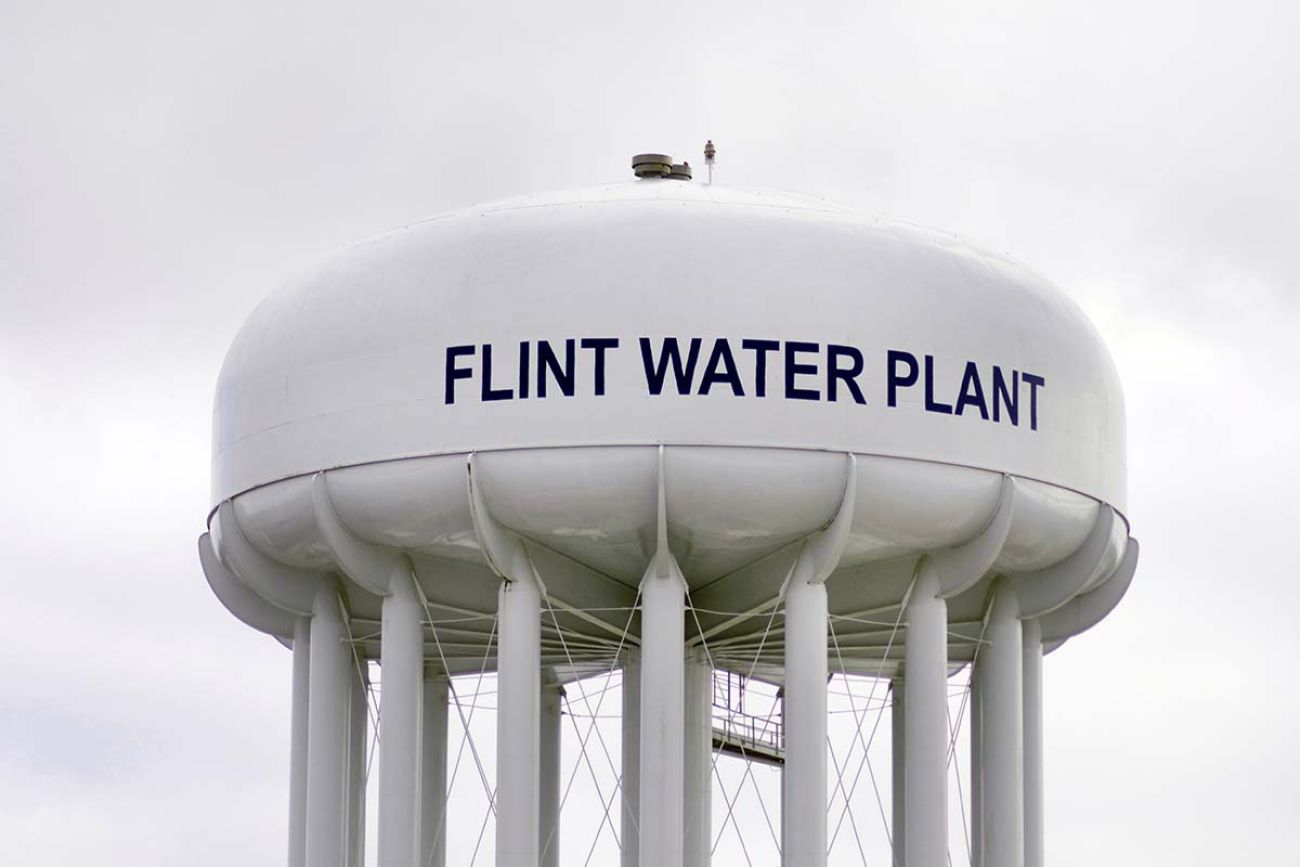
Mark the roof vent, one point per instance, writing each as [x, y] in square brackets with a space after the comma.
[652, 165]
[680, 172]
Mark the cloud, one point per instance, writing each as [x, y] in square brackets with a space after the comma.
[164, 165]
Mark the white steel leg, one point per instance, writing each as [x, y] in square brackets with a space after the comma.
[698, 759]
[631, 781]
[1002, 682]
[804, 820]
[977, 763]
[663, 636]
[433, 776]
[329, 697]
[402, 667]
[898, 721]
[518, 719]
[298, 743]
[357, 767]
[926, 727]
[1033, 701]
[549, 811]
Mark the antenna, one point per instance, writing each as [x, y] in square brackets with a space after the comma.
[709, 152]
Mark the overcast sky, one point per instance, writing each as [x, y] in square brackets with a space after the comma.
[163, 165]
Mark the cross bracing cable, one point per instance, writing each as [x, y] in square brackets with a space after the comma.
[468, 738]
[595, 840]
[704, 643]
[730, 817]
[583, 739]
[902, 609]
[606, 819]
[866, 754]
[595, 779]
[839, 782]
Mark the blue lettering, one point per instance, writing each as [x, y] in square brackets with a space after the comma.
[972, 392]
[794, 368]
[835, 373]
[598, 345]
[524, 358]
[657, 371]
[761, 349]
[898, 380]
[490, 393]
[548, 361]
[454, 372]
[1034, 383]
[544, 368]
[1004, 396]
[721, 357]
[932, 405]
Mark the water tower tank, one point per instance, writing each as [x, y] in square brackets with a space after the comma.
[674, 427]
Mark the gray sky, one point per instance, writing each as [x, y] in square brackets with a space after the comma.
[165, 164]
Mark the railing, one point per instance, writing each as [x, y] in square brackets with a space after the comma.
[736, 729]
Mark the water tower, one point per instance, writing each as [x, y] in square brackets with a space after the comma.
[682, 429]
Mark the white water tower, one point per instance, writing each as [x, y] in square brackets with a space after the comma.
[683, 430]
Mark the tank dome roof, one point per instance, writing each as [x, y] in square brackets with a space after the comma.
[666, 311]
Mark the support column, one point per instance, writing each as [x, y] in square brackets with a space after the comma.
[898, 724]
[631, 782]
[402, 667]
[785, 861]
[548, 826]
[298, 743]
[1002, 681]
[433, 772]
[518, 717]
[698, 761]
[977, 763]
[329, 694]
[803, 833]
[1033, 715]
[357, 766]
[925, 746]
[663, 635]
